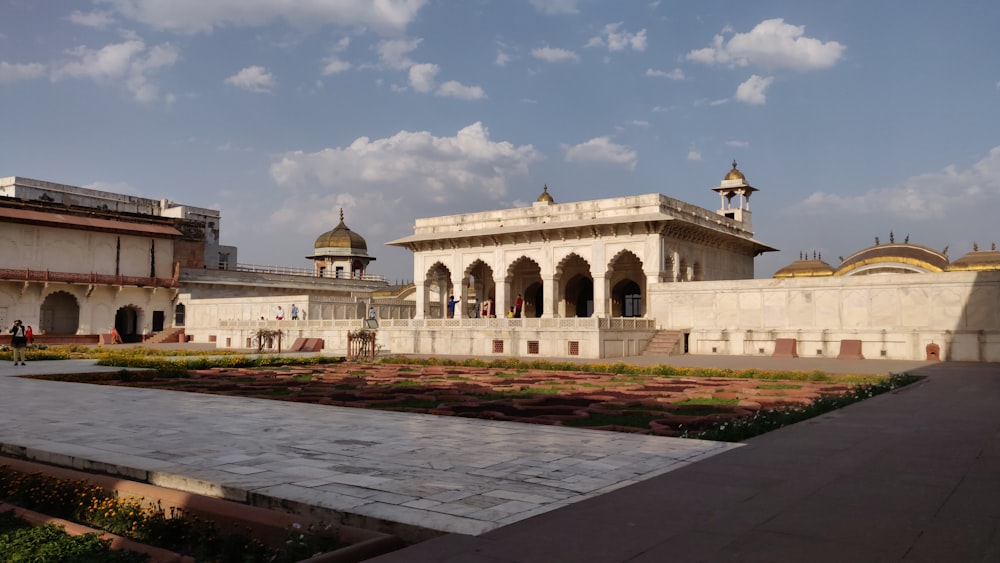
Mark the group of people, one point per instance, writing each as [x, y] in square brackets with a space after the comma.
[295, 313]
[486, 309]
[20, 337]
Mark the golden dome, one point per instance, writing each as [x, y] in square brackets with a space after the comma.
[735, 174]
[341, 237]
[546, 197]
[805, 268]
[977, 261]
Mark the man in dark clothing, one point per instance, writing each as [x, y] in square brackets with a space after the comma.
[18, 341]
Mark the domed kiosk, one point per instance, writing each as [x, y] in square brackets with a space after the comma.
[341, 253]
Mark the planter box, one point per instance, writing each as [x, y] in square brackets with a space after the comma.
[267, 525]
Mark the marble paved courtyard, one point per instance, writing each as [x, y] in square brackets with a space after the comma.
[443, 474]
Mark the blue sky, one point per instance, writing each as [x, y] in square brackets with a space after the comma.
[853, 118]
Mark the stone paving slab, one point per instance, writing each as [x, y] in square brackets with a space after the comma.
[445, 474]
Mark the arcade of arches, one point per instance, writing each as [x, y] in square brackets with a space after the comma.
[571, 290]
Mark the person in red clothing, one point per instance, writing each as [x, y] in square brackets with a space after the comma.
[29, 335]
[518, 304]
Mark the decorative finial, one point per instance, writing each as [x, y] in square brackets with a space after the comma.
[800, 256]
[734, 164]
[907, 239]
[815, 256]
[975, 247]
[993, 246]
[819, 256]
[876, 241]
[841, 258]
[892, 238]
[945, 251]
[341, 214]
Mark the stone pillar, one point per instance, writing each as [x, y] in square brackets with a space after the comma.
[423, 296]
[675, 274]
[549, 301]
[461, 290]
[600, 296]
[501, 304]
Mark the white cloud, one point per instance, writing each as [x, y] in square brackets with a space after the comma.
[253, 79]
[334, 65]
[422, 76]
[129, 61]
[394, 53]
[418, 168]
[453, 89]
[555, 6]
[772, 44]
[554, 55]
[738, 144]
[944, 195]
[694, 155]
[502, 58]
[13, 72]
[639, 123]
[601, 149]
[676, 74]
[619, 41]
[201, 16]
[754, 90]
[99, 20]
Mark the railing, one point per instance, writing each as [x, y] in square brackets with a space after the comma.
[287, 271]
[569, 323]
[89, 278]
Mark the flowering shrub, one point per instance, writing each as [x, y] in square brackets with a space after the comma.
[150, 523]
[20, 541]
[764, 421]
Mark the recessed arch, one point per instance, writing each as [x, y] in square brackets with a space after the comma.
[628, 285]
[575, 286]
[522, 273]
[59, 313]
[128, 323]
[437, 288]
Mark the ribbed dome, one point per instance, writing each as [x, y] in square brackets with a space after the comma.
[735, 174]
[893, 258]
[546, 197]
[341, 237]
[805, 268]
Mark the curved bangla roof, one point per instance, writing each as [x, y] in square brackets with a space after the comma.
[894, 258]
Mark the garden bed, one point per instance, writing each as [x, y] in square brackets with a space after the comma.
[262, 526]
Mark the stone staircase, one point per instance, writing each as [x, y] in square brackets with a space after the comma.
[664, 343]
[167, 336]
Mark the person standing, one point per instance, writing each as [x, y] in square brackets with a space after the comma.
[18, 341]
[281, 313]
[295, 312]
[451, 306]
[29, 335]
[518, 304]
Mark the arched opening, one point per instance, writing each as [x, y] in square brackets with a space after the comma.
[437, 289]
[576, 287]
[533, 301]
[626, 299]
[628, 284]
[579, 297]
[59, 314]
[357, 269]
[522, 274]
[479, 276]
[127, 323]
[179, 311]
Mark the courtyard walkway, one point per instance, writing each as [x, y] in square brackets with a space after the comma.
[909, 476]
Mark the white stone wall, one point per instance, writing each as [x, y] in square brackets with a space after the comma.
[36, 247]
[895, 316]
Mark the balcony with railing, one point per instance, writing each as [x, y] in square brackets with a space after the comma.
[48, 276]
[287, 271]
